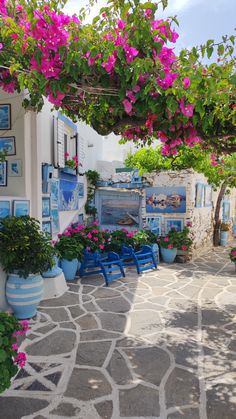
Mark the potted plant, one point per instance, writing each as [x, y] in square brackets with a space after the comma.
[10, 358]
[224, 228]
[146, 237]
[71, 251]
[25, 252]
[232, 255]
[55, 270]
[70, 164]
[168, 247]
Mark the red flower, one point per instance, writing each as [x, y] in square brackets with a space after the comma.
[184, 247]
[170, 246]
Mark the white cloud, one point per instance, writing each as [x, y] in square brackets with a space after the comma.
[74, 6]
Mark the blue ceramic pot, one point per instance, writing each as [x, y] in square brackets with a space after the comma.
[223, 238]
[69, 268]
[168, 255]
[24, 294]
[54, 271]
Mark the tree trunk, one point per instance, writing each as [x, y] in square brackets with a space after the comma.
[216, 234]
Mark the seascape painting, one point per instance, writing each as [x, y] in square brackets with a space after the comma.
[55, 221]
[120, 210]
[54, 192]
[166, 199]
[69, 195]
[5, 209]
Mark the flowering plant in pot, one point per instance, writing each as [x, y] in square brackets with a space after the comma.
[168, 246]
[71, 163]
[70, 251]
[25, 252]
[91, 237]
[10, 357]
[118, 238]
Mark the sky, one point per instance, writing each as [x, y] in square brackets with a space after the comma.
[199, 20]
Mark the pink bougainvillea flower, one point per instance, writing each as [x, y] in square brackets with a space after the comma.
[109, 64]
[127, 106]
[1, 45]
[21, 359]
[167, 81]
[57, 101]
[130, 53]
[148, 13]
[186, 110]
[121, 24]
[136, 88]
[131, 96]
[170, 246]
[14, 347]
[186, 82]
[24, 325]
[183, 247]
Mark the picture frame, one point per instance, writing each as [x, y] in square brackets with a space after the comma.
[46, 207]
[15, 168]
[5, 116]
[3, 173]
[81, 218]
[207, 196]
[8, 144]
[5, 209]
[166, 199]
[154, 224]
[47, 227]
[55, 224]
[21, 207]
[176, 223]
[81, 190]
[199, 195]
[54, 191]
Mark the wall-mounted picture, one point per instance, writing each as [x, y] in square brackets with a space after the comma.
[119, 209]
[81, 190]
[5, 209]
[21, 208]
[207, 196]
[5, 117]
[199, 195]
[55, 220]
[15, 168]
[46, 207]
[173, 223]
[166, 199]
[54, 192]
[154, 224]
[8, 145]
[69, 197]
[3, 173]
[47, 227]
[81, 218]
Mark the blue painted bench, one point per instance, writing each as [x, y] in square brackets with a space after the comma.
[144, 259]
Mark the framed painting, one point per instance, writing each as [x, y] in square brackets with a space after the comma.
[5, 209]
[5, 117]
[8, 145]
[46, 207]
[54, 192]
[15, 168]
[81, 190]
[199, 195]
[173, 223]
[81, 218]
[55, 220]
[166, 199]
[69, 196]
[207, 196]
[3, 173]
[47, 227]
[21, 208]
[154, 224]
[120, 209]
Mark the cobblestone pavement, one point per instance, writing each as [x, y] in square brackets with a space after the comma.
[159, 345]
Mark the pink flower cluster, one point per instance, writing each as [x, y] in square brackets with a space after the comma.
[20, 357]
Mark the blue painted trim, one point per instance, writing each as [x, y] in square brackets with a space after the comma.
[67, 121]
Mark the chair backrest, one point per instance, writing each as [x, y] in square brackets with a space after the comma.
[95, 256]
[126, 250]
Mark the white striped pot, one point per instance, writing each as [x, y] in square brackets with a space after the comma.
[24, 294]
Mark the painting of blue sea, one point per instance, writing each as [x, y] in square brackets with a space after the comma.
[166, 199]
[5, 209]
[5, 117]
[121, 211]
[21, 208]
[55, 221]
[69, 195]
[54, 192]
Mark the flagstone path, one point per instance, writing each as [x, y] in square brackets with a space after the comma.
[159, 345]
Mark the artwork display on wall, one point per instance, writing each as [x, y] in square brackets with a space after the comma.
[154, 224]
[8, 145]
[55, 220]
[69, 196]
[5, 117]
[21, 208]
[207, 196]
[81, 218]
[54, 192]
[47, 227]
[81, 190]
[5, 209]
[199, 195]
[15, 168]
[46, 207]
[166, 199]
[3, 173]
[119, 209]
[173, 223]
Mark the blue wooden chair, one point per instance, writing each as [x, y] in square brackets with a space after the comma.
[111, 266]
[144, 259]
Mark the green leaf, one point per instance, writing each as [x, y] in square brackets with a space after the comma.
[3, 355]
[209, 51]
[220, 49]
[172, 104]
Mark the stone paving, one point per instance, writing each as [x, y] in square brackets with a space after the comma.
[159, 345]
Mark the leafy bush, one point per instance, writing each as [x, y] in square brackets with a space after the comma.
[143, 237]
[10, 358]
[177, 239]
[68, 247]
[24, 248]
